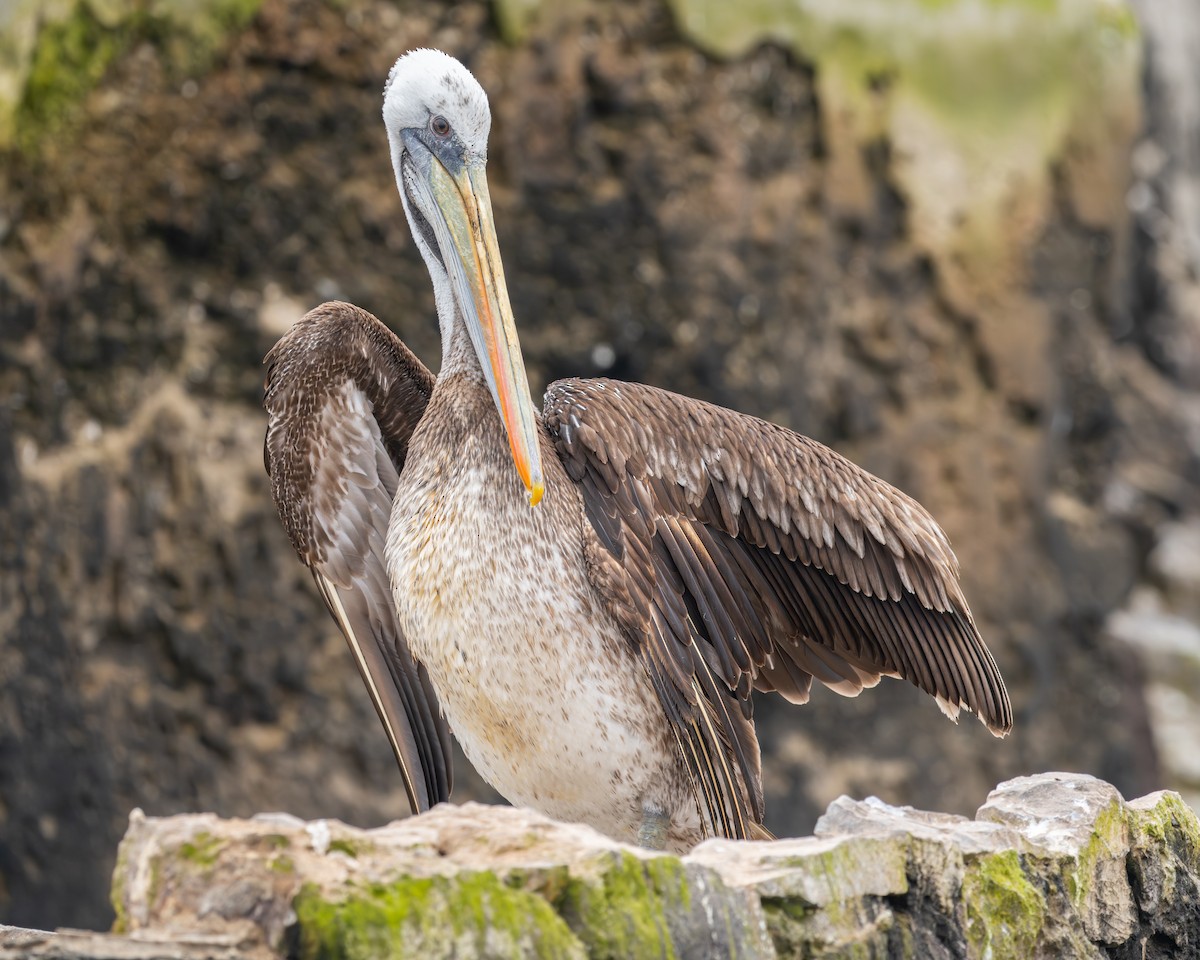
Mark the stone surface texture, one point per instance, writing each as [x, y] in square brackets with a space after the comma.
[779, 214]
[1054, 865]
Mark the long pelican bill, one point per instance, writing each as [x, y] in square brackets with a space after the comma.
[478, 276]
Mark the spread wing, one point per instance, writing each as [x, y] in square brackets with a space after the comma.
[737, 554]
[343, 396]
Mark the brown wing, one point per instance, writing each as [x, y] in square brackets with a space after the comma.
[738, 554]
[343, 396]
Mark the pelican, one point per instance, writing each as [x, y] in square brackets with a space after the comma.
[587, 596]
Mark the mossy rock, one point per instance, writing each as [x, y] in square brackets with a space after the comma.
[473, 914]
[617, 906]
[1005, 912]
[978, 101]
[1053, 865]
[52, 54]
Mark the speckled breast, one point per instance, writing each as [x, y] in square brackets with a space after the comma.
[536, 682]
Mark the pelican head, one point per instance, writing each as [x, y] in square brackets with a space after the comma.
[437, 121]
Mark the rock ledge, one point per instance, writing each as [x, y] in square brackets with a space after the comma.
[1053, 865]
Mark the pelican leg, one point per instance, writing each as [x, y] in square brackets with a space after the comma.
[652, 834]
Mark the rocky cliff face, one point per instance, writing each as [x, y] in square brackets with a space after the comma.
[783, 227]
[1056, 865]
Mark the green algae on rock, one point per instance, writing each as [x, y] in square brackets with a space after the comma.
[977, 99]
[1005, 912]
[606, 905]
[202, 849]
[625, 913]
[473, 914]
[52, 54]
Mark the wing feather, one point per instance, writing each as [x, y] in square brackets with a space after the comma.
[737, 554]
[343, 396]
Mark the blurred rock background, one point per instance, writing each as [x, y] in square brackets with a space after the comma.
[959, 241]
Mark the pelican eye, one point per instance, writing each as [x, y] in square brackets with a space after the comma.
[440, 125]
